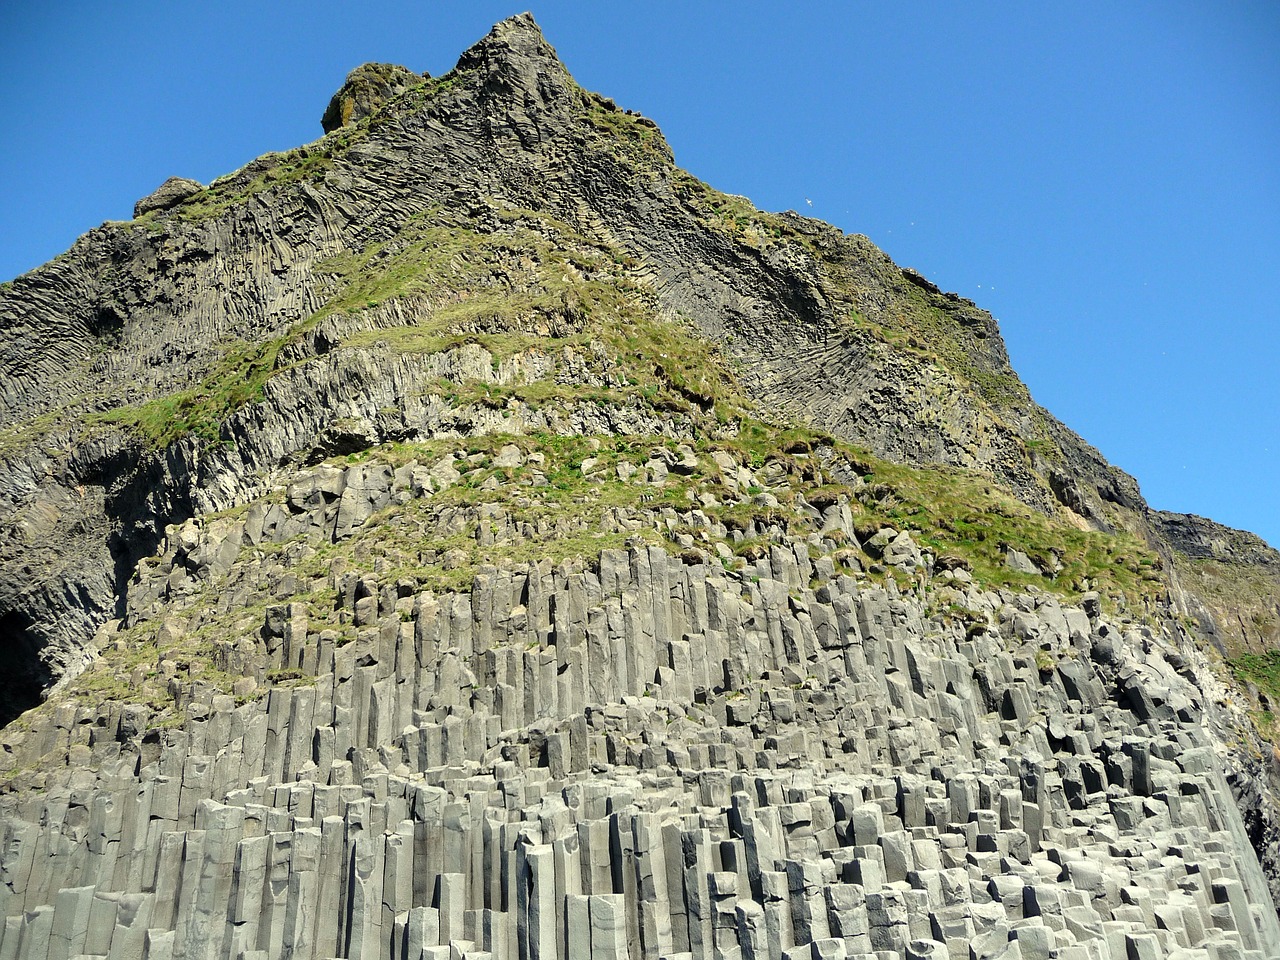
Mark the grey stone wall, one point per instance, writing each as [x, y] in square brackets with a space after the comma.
[650, 759]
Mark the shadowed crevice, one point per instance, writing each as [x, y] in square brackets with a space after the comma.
[23, 675]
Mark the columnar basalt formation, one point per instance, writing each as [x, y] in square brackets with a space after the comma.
[470, 536]
[646, 756]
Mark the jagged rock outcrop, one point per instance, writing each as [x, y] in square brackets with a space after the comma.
[366, 89]
[1203, 539]
[824, 327]
[169, 194]
[448, 538]
[1230, 580]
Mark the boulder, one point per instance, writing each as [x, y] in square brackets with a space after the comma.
[367, 88]
[169, 194]
[1019, 561]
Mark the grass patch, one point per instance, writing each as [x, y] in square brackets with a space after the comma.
[523, 289]
[1260, 669]
[308, 163]
[21, 435]
[566, 500]
[235, 380]
[965, 514]
[1243, 598]
[731, 215]
[635, 133]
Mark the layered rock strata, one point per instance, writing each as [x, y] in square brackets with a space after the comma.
[155, 321]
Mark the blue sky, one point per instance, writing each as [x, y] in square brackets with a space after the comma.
[1105, 178]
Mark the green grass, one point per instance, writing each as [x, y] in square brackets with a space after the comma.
[417, 97]
[307, 163]
[1260, 669]
[966, 514]
[637, 134]
[1242, 598]
[521, 290]
[559, 514]
[959, 513]
[22, 435]
[951, 512]
[235, 380]
[731, 215]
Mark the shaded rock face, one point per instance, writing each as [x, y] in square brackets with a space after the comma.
[1228, 579]
[366, 89]
[1203, 539]
[406, 524]
[24, 677]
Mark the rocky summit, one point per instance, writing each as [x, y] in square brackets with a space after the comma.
[471, 536]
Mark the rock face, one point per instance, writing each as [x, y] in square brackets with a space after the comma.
[1202, 539]
[648, 756]
[1233, 578]
[470, 535]
[132, 326]
[169, 194]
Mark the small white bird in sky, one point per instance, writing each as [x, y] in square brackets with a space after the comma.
[808, 201]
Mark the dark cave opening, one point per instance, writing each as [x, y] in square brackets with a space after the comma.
[23, 674]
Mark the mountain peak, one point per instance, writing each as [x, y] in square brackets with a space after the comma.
[516, 44]
[476, 458]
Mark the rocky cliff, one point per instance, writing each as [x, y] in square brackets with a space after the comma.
[470, 532]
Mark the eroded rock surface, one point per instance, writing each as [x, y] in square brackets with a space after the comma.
[366, 89]
[169, 194]
[133, 326]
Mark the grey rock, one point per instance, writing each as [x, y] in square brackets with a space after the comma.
[385, 717]
[366, 89]
[1019, 561]
[169, 194]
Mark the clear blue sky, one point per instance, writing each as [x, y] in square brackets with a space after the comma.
[1104, 177]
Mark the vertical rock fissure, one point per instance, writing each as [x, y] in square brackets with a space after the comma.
[23, 674]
